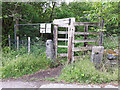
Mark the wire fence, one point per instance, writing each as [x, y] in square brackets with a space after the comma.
[29, 45]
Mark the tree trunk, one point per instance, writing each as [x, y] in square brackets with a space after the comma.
[53, 3]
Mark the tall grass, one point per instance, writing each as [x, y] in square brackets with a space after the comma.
[19, 63]
[83, 71]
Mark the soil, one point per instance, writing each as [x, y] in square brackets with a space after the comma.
[39, 78]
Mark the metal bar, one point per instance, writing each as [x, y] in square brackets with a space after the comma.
[33, 24]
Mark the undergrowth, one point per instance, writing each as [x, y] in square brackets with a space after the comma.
[83, 71]
[19, 63]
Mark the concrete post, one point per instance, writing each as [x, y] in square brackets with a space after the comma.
[97, 55]
[50, 53]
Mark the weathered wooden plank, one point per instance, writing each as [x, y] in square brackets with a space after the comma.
[58, 21]
[77, 57]
[64, 20]
[86, 33]
[85, 23]
[63, 54]
[73, 31]
[62, 46]
[90, 40]
[63, 25]
[62, 39]
[62, 32]
[55, 33]
[82, 48]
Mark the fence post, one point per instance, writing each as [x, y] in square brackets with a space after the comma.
[85, 36]
[28, 44]
[71, 30]
[101, 21]
[55, 33]
[22, 43]
[9, 41]
[97, 55]
[17, 43]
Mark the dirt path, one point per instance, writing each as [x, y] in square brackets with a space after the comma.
[37, 80]
[42, 74]
[32, 81]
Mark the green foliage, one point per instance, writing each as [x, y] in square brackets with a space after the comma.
[83, 71]
[25, 64]
[110, 42]
[19, 63]
[107, 11]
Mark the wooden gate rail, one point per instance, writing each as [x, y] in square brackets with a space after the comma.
[70, 24]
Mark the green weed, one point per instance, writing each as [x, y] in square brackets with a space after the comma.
[83, 71]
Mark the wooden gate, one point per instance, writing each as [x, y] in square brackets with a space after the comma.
[70, 24]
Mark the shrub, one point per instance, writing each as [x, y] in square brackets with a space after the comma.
[83, 71]
[25, 64]
[19, 63]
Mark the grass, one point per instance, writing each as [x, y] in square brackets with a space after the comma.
[19, 63]
[25, 64]
[110, 42]
[83, 71]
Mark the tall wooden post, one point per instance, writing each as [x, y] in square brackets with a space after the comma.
[55, 33]
[17, 43]
[85, 36]
[28, 44]
[101, 33]
[71, 30]
[9, 41]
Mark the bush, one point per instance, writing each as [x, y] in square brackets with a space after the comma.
[83, 71]
[25, 64]
[19, 63]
